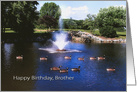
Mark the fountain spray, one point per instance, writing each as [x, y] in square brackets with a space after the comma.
[60, 37]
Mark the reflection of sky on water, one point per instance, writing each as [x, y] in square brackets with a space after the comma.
[8, 51]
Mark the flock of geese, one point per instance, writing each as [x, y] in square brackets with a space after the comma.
[64, 70]
[68, 58]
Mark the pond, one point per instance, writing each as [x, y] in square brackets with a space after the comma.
[91, 77]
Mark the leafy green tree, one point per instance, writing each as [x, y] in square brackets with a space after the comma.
[70, 24]
[65, 25]
[24, 15]
[21, 16]
[48, 21]
[50, 9]
[5, 15]
[90, 22]
[110, 20]
[49, 15]
[79, 24]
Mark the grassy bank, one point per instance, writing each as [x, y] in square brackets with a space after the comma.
[8, 30]
[46, 30]
[96, 32]
[120, 34]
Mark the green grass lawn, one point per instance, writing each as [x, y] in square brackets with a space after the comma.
[121, 35]
[8, 30]
[96, 32]
[38, 32]
[67, 30]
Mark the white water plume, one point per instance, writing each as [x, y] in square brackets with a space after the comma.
[61, 40]
[61, 37]
[51, 50]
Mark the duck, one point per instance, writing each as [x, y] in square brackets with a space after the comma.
[92, 58]
[67, 57]
[44, 58]
[81, 58]
[19, 57]
[76, 69]
[55, 68]
[110, 69]
[64, 70]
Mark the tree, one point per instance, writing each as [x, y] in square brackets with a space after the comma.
[49, 15]
[79, 24]
[70, 24]
[89, 22]
[24, 16]
[20, 15]
[50, 9]
[110, 20]
[5, 14]
[48, 21]
[65, 25]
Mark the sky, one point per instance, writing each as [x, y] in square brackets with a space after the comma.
[79, 9]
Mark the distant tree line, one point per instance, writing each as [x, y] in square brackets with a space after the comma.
[88, 23]
[22, 17]
[108, 20]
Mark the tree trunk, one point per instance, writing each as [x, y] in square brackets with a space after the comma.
[4, 30]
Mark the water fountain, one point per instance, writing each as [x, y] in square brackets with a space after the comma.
[59, 41]
[60, 37]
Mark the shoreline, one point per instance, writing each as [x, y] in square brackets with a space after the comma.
[84, 37]
[88, 37]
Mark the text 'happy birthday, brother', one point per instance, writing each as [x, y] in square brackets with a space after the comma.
[48, 78]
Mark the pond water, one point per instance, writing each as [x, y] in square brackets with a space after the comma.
[92, 76]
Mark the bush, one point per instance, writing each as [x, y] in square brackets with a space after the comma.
[40, 26]
[108, 31]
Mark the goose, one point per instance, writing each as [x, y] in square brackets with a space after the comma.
[19, 57]
[76, 69]
[81, 58]
[44, 58]
[92, 58]
[110, 69]
[67, 57]
[101, 58]
[55, 68]
[64, 70]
